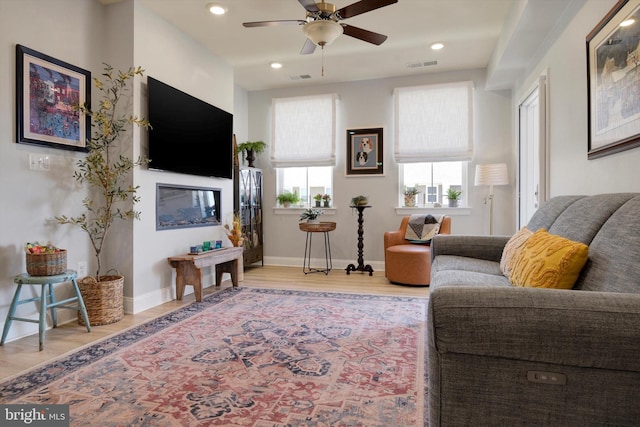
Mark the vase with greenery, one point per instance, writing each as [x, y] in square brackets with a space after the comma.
[251, 148]
[454, 196]
[359, 201]
[105, 169]
[287, 198]
[311, 215]
[410, 196]
[326, 199]
[317, 198]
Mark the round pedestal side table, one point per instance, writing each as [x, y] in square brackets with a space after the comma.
[360, 267]
[310, 228]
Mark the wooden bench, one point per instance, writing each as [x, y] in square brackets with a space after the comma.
[189, 268]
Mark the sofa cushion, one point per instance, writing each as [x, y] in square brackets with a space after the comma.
[548, 261]
[512, 248]
[614, 253]
[452, 270]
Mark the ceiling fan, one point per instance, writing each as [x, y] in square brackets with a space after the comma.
[321, 25]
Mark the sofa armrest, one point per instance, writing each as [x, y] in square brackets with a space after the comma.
[483, 247]
[565, 327]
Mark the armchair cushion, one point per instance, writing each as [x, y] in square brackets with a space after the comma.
[421, 228]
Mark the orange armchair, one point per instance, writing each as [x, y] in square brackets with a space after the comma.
[409, 263]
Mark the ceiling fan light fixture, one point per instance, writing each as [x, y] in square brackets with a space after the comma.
[275, 65]
[437, 45]
[322, 32]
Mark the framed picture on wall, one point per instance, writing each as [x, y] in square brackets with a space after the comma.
[613, 78]
[365, 152]
[46, 91]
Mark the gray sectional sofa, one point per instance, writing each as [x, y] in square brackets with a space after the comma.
[500, 355]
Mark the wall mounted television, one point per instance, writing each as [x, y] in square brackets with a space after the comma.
[188, 135]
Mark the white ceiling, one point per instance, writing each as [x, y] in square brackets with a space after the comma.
[470, 30]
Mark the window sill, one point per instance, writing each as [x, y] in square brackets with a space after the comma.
[297, 210]
[445, 210]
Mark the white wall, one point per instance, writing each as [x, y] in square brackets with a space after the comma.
[370, 104]
[86, 34]
[30, 199]
[570, 171]
[170, 56]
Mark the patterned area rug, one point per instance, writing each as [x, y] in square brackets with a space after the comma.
[249, 357]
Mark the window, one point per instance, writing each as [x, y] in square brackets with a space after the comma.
[433, 180]
[306, 182]
[434, 138]
[304, 142]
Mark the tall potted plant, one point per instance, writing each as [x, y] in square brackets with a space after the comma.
[106, 171]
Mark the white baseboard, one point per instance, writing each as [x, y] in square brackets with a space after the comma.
[338, 264]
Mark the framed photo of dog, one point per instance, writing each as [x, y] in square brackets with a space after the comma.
[365, 152]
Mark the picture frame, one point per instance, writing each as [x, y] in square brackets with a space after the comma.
[613, 79]
[46, 91]
[365, 152]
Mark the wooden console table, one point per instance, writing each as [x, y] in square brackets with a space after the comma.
[189, 268]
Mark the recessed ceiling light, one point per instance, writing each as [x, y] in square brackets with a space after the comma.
[627, 22]
[276, 65]
[217, 8]
[437, 46]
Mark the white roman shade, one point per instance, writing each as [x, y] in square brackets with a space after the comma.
[434, 123]
[304, 131]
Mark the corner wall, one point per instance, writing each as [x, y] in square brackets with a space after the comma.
[86, 34]
[566, 60]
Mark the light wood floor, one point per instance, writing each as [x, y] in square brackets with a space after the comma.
[22, 354]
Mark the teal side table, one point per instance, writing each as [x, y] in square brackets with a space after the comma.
[47, 300]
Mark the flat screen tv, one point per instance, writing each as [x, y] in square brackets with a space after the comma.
[188, 135]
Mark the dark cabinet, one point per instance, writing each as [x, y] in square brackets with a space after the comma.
[248, 206]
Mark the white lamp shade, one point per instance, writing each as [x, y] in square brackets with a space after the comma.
[492, 174]
[322, 32]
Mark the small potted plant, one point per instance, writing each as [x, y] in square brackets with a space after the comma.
[311, 215]
[317, 198]
[454, 196]
[251, 148]
[326, 199]
[359, 201]
[286, 198]
[410, 196]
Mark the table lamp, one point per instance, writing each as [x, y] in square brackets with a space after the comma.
[491, 174]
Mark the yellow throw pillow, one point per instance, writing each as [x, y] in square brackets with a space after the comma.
[512, 248]
[548, 261]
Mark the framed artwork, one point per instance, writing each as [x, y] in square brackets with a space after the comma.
[46, 91]
[613, 78]
[365, 152]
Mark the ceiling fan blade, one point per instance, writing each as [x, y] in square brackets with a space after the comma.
[274, 23]
[365, 35]
[361, 7]
[310, 5]
[308, 48]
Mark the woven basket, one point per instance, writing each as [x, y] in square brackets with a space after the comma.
[48, 264]
[103, 299]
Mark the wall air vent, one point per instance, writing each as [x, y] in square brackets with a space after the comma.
[300, 77]
[421, 64]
